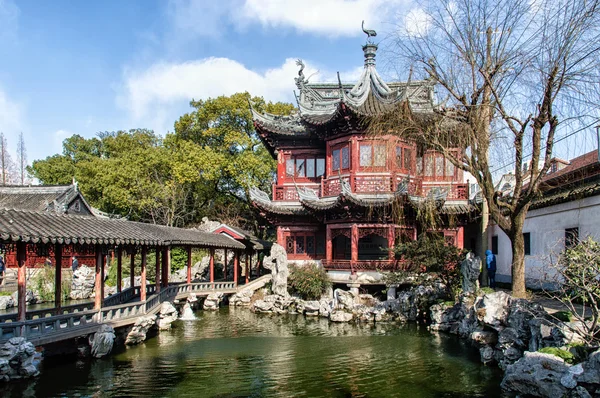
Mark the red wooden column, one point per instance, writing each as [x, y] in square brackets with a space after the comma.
[280, 237]
[58, 276]
[354, 246]
[391, 241]
[328, 244]
[119, 269]
[143, 275]
[132, 268]
[460, 238]
[22, 281]
[166, 266]
[157, 270]
[225, 264]
[99, 282]
[189, 264]
[212, 265]
[236, 260]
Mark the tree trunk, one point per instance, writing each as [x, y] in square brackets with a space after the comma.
[518, 256]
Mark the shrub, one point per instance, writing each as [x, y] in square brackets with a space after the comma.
[309, 281]
[43, 284]
[564, 354]
[431, 253]
[486, 290]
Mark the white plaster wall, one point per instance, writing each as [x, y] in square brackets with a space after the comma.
[547, 228]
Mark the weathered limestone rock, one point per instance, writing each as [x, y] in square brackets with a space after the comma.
[311, 308]
[486, 354]
[325, 307]
[537, 375]
[18, 359]
[140, 329]
[263, 306]
[591, 367]
[484, 337]
[166, 315]
[340, 316]
[445, 318]
[102, 341]
[242, 298]
[82, 285]
[469, 270]
[277, 263]
[126, 282]
[6, 302]
[30, 297]
[345, 300]
[493, 309]
[212, 301]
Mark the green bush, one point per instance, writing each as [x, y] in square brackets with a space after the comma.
[564, 354]
[308, 281]
[431, 253]
[43, 283]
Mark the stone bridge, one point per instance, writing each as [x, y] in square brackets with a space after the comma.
[49, 326]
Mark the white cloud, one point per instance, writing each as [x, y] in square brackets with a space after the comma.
[327, 17]
[322, 17]
[156, 96]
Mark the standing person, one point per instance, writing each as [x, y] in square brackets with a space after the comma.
[47, 262]
[2, 269]
[74, 264]
[490, 261]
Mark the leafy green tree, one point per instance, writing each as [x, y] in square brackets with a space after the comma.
[203, 169]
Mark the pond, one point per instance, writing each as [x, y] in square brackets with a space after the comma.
[236, 353]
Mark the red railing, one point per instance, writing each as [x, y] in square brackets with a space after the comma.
[288, 192]
[365, 184]
[360, 265]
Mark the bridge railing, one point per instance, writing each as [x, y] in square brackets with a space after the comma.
[51, 322]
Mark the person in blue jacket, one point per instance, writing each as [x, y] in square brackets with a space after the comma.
[490, 261]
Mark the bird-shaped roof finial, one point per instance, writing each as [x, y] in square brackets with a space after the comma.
[369, 32]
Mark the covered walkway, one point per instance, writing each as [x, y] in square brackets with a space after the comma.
[51, 235]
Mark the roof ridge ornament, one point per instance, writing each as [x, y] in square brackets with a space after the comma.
[301, 80]
[369, 32]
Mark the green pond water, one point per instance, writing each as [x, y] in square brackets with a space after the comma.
[235, 353]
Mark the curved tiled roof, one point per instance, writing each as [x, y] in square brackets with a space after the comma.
[35, 227]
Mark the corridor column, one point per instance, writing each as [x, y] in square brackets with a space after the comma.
[236, 260]
[247, 271]
[157, 270]
[58, 276]
[99, 278]
[132, 268]
[119, 269]
[166, 266]
[225, 264]
[22, 281]
[354, 246]
[189, 264]
[143, 275]
[212, 265]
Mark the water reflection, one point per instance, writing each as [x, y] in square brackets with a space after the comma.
[234, 352]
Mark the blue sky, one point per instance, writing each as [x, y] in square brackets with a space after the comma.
[83, 67]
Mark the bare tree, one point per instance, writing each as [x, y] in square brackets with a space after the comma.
[6, 162]
[21, 158]
[504, 68]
